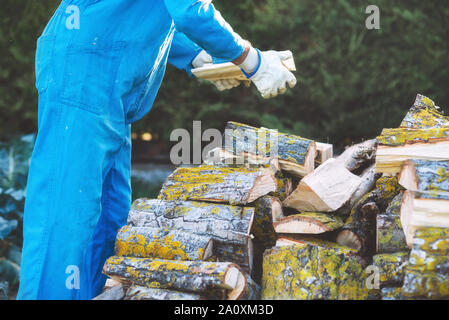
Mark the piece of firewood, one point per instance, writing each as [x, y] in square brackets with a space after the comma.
[390, 235]
[391, 293]
[432, 240]
[399, 145]
[190, 276]
[424, 114]
[423, 209]
[162, 243]
[425, 175]
[284, 188]
[428, 285]
[296, 155]
[229, 226]
[326, 189]
[358, 155]
[308, 223]
[324, 152]
[136, 292]
[236, 186]
[359, 231]
[292, 272]
[115, 293]
[391, 267]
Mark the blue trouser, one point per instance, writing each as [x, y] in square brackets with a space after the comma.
[92, 83]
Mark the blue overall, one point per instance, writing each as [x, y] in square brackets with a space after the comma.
[93, 82]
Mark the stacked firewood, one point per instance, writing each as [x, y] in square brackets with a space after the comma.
[294, 223]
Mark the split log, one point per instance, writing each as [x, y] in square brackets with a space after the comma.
[144, 293]
[428, 285]
[324, 152]
[421, 209]
[391, 267]
[359, 231]
[399, 145]
[296, 155]
[190, 276]
[432, 240]
[391, 293]
[253, 290]
[390, 235]
[308, 223]
[284, 188]
[293, 272]
[425, 175]
[268, 210]
[424, 114]
[162, 243]
[428, 262]
[236, 186]
[114, 293]
[326, 189]
[358, 155]
[229, 226]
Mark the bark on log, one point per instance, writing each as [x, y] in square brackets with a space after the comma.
[284, 188]
[424, 114]
[296, 155]
[358, 155]
[312, 271]
[429, 285]
[391, 267]
[390, 235]
[253, 290]
[162, 243]
[236, 186]
[324, 151]
[229, 226]
[190, 276]
[399, 145]
[391, 293]
[114, 293]
[308, 223]
[136, 292]
[359, 231]
[432, 240]
[425, 175]
[326, 189]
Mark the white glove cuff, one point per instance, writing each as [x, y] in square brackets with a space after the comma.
[201, 59]
[250, 64]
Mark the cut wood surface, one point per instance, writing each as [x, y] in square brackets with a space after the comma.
[162, 243]
[421, 209]
[391, 267]
[308, 223]
[358, 155]
[326, 189]
[236, 186]
[425, 175]
[296, 155]
[228, 70]
[136, 292]
[424, 114]
[390, 234]
[292, 272]
[324, 152]
[190, 276]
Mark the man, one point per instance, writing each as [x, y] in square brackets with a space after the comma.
[93, 81]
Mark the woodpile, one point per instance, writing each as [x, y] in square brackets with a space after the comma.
[275, 216]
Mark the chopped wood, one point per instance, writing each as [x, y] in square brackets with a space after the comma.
[243, 255]
[284, 189]
[326, 189]
[432, 240]
[162, 243]
[324, 152]
[268, 210]
[424, 114]
[136, 292]
[429, 285]
[391, 293]
[292, 272]
[308, 223]
[296, 155]
[358, 155]
[190, 276]
[390, 235]
[425, 175]
[391, 267]
[115, 293]
[236, 186]
[420, 209]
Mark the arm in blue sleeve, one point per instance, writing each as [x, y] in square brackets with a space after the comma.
[182, 52]
[204, 25]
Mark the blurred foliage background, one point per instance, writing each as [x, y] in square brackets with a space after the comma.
[352, 82]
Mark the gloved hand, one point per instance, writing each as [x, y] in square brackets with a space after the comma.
[204, 58]
[270, 76]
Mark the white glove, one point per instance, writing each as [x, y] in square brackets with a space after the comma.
[272, 77]
[204, 58]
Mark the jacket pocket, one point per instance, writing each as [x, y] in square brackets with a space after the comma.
[44, 53]
[90, 75]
